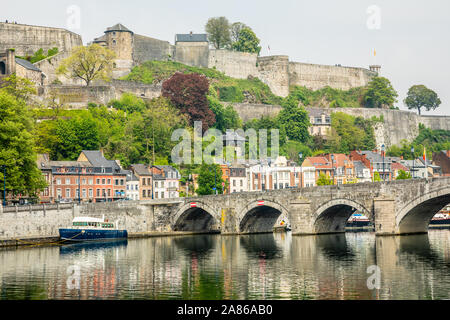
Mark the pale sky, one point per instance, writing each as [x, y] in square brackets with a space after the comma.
[411, 38]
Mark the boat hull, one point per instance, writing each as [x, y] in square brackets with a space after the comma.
[77, 235]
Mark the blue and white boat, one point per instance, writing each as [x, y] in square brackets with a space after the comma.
[92, 229]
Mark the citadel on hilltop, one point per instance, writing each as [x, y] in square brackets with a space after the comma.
[191, 49]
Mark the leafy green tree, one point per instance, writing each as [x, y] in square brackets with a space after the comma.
[218, 30]
[419, 97]
[324, 180]
[210, 177]
[292, 148]
[129, 103]
[295, 120]
[17, 152]
[247, 42]
[226, 117]
[22, 89]
[402, 175]
[88, 64]
[380, 93]
[236, 30]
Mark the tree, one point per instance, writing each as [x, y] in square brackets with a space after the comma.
[218, 30]
[208, 175]
[420, 97]
[17, 152]
[226, 117]
[247, 42]
[324, 180]
[402, 175]
[129, 103]
[295, 121]
[188, 94]
[236, 29]
[88, 64]
[18, 87]
[376, 177]
[380, 93]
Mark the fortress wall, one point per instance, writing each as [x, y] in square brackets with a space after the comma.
[146, 49]
[28, 39]
[192, 54]
[234, 64]
[436, 122]
[48, 67]
[274, 71]
[315, 76]
[248, 111]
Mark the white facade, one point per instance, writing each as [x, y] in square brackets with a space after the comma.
[308, 177]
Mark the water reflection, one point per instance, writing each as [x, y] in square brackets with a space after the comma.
[265, 266]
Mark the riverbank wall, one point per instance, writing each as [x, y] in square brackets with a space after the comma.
[40, 224]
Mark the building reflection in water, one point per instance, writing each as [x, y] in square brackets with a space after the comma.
[264, 266]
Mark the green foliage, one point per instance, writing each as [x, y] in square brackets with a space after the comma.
[380, 93]
[327, 97]
[210, 177]
[227, 89]
[129, 103]
[324, 180]
[17, 146]
[420, 97]
[350, 133]
[40, 55]
[218, 30]
[402, 175]
[291, 150]
[226, 117]
[431, 140]
[247, 41]
[295, 121]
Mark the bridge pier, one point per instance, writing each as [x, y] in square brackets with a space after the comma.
[384, 212]
[229, 222]
[300, 214]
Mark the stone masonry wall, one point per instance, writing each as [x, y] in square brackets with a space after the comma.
[28, 39]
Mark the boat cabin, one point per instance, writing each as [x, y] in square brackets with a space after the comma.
[92, 223]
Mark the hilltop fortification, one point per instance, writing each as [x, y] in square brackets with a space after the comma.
[26, 39]
[278, 72]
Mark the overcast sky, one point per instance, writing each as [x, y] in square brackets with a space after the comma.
[411, 38]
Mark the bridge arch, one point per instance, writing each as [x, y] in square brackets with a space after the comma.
[415, 216]
[197, 217]
[260, 216]
[332, 216]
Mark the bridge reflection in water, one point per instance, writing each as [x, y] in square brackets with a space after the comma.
[262, 266]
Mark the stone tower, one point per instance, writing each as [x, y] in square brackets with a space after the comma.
[120, 39]
[375, 68]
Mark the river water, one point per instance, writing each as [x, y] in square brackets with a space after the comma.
[255, 267]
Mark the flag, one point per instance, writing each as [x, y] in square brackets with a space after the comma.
[424, 155]
[375, 52]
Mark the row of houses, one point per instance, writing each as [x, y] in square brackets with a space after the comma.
[93, 178]
[356, 167]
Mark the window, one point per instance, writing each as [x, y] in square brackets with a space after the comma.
[109, 192]
[103, 181]
[91, 193]
[84, 193]
[109, 181]
[58, 193]
[98, 192]
[156, 195]
[162, 194]
[77, 193]
[143, 182]
[242, 183]
[91, 181]
[68, 181]
[116, 182]
[98, 181]
[58, 181]
[67, 193]
[121, 182]
[234, 183]
[143, 194]
[84, 181]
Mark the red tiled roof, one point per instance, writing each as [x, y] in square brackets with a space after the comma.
[398, 166]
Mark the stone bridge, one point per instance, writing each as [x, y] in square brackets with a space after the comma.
[398, 207]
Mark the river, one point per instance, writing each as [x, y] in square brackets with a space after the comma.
[255, 267]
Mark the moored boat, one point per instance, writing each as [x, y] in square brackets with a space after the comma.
[358, 220]
[440, 219]
[92, 229]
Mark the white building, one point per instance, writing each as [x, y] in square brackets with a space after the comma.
[166, 182]
[132, 191]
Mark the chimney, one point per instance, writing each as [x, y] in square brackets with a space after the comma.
[10, 61]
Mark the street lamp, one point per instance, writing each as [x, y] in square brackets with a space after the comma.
[382, 154]
[4, 184]
[300, 155]
[412, 151]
